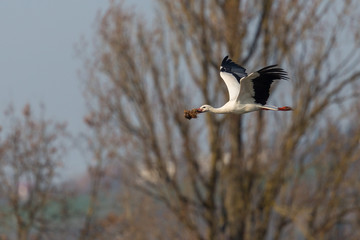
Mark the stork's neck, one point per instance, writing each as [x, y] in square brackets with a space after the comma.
[219, 110]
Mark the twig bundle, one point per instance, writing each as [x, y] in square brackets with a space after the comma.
[189, 114]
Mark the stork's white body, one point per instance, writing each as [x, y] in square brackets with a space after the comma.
[238, 108]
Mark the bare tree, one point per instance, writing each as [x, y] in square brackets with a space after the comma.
[262, 176]
[31, 151]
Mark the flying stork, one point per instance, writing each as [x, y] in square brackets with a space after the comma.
[247, 92]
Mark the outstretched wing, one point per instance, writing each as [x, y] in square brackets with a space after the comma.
[231, 73]
[255, 87]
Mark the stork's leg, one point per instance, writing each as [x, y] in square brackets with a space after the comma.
[273, 108]
[285, 108]
[268, 107]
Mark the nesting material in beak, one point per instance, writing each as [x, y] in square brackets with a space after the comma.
[189, 114]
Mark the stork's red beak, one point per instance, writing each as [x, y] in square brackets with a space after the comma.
[198, 110]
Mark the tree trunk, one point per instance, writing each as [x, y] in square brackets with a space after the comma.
[233, 204]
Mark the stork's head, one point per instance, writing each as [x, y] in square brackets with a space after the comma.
[204, 108]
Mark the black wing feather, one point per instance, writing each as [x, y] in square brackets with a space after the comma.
[262, 83]
[227, 65]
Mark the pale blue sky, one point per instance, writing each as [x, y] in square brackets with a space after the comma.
[38, 62]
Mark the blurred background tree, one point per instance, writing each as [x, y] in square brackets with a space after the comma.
[31, 153]
[257, 176]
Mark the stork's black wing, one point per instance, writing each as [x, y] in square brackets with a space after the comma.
[227, 65]
[257, 84]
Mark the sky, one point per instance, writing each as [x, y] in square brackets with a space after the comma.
[38, 60]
